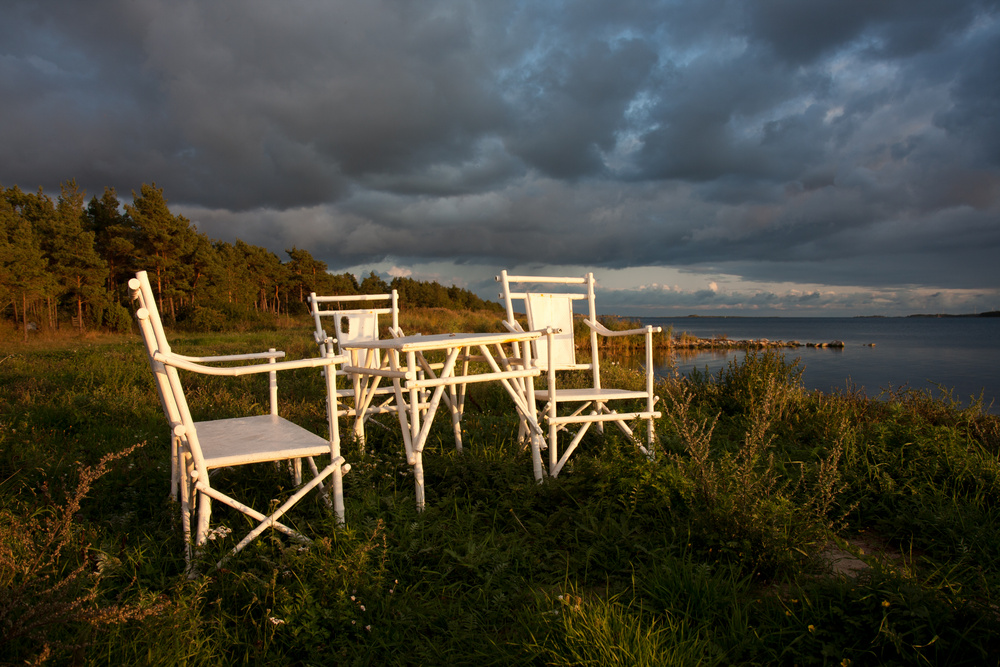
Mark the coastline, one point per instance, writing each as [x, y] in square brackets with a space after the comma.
[687, 342]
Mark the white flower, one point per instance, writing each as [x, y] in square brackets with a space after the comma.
[276, 621]
[219, 533]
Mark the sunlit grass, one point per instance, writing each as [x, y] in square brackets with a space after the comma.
[709, 554]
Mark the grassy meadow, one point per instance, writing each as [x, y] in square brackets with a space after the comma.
[774, 526]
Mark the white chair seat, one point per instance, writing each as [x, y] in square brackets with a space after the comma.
[229, 442]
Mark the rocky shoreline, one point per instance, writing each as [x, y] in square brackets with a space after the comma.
[692, 343]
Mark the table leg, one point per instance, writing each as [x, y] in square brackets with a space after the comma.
[359, 402]
[523, 395]
[415, 434]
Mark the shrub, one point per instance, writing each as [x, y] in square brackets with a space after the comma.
[116, 318]
[204, 319]
[49, 584]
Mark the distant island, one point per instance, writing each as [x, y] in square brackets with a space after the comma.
[990, 313]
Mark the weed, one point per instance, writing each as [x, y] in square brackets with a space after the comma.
[50, 578]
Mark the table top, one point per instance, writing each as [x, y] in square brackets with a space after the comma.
[420, 342]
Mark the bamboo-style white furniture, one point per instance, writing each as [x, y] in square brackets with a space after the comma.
[556, 352]
[197, 448]
[354, 318]
[405, 362]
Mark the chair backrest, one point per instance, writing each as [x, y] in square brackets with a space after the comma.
[556, 311]
[168, 384]
[352, 324]
[155, 340]
[143, 292]
[545, 308]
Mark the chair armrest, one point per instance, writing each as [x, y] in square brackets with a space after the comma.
[604, 331]
[277, 354]
[178, 361]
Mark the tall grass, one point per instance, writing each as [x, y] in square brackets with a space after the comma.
[713, 553]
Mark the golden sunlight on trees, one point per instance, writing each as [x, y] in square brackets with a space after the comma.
[65, 263]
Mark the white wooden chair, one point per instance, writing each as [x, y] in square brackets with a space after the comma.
[352, 324]
[556, 352]
[197, 448]
[362, 324]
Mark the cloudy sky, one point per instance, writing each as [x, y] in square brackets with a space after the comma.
[793, 157]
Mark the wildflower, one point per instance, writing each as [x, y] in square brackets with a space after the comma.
[885, 603]
[368, 628]
[812, 628]
[362, 607]
[276, 621]
[219, 533]
[352, 598]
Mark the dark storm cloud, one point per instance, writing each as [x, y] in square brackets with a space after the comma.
[829, 142]
[801, 32]
[573, 106]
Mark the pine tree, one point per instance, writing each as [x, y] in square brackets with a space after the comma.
[78, 269]
[115, 237]
[373, 284]
[24, 264]
[268, 273]
[163, 239]
[308, 274]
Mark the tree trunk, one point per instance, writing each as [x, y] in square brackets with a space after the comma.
[79, 302]
[159, 289]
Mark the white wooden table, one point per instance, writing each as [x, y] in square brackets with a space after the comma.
[406, 364]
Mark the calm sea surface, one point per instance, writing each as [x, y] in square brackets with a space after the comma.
[961, 354]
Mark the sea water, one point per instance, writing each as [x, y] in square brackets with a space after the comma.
[956, 354]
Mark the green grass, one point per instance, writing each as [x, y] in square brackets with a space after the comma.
[710, 554]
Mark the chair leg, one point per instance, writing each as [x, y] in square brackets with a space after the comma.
[337, 490]
[203, 519]
[271, 521]
[175, 467]
[186, 493]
